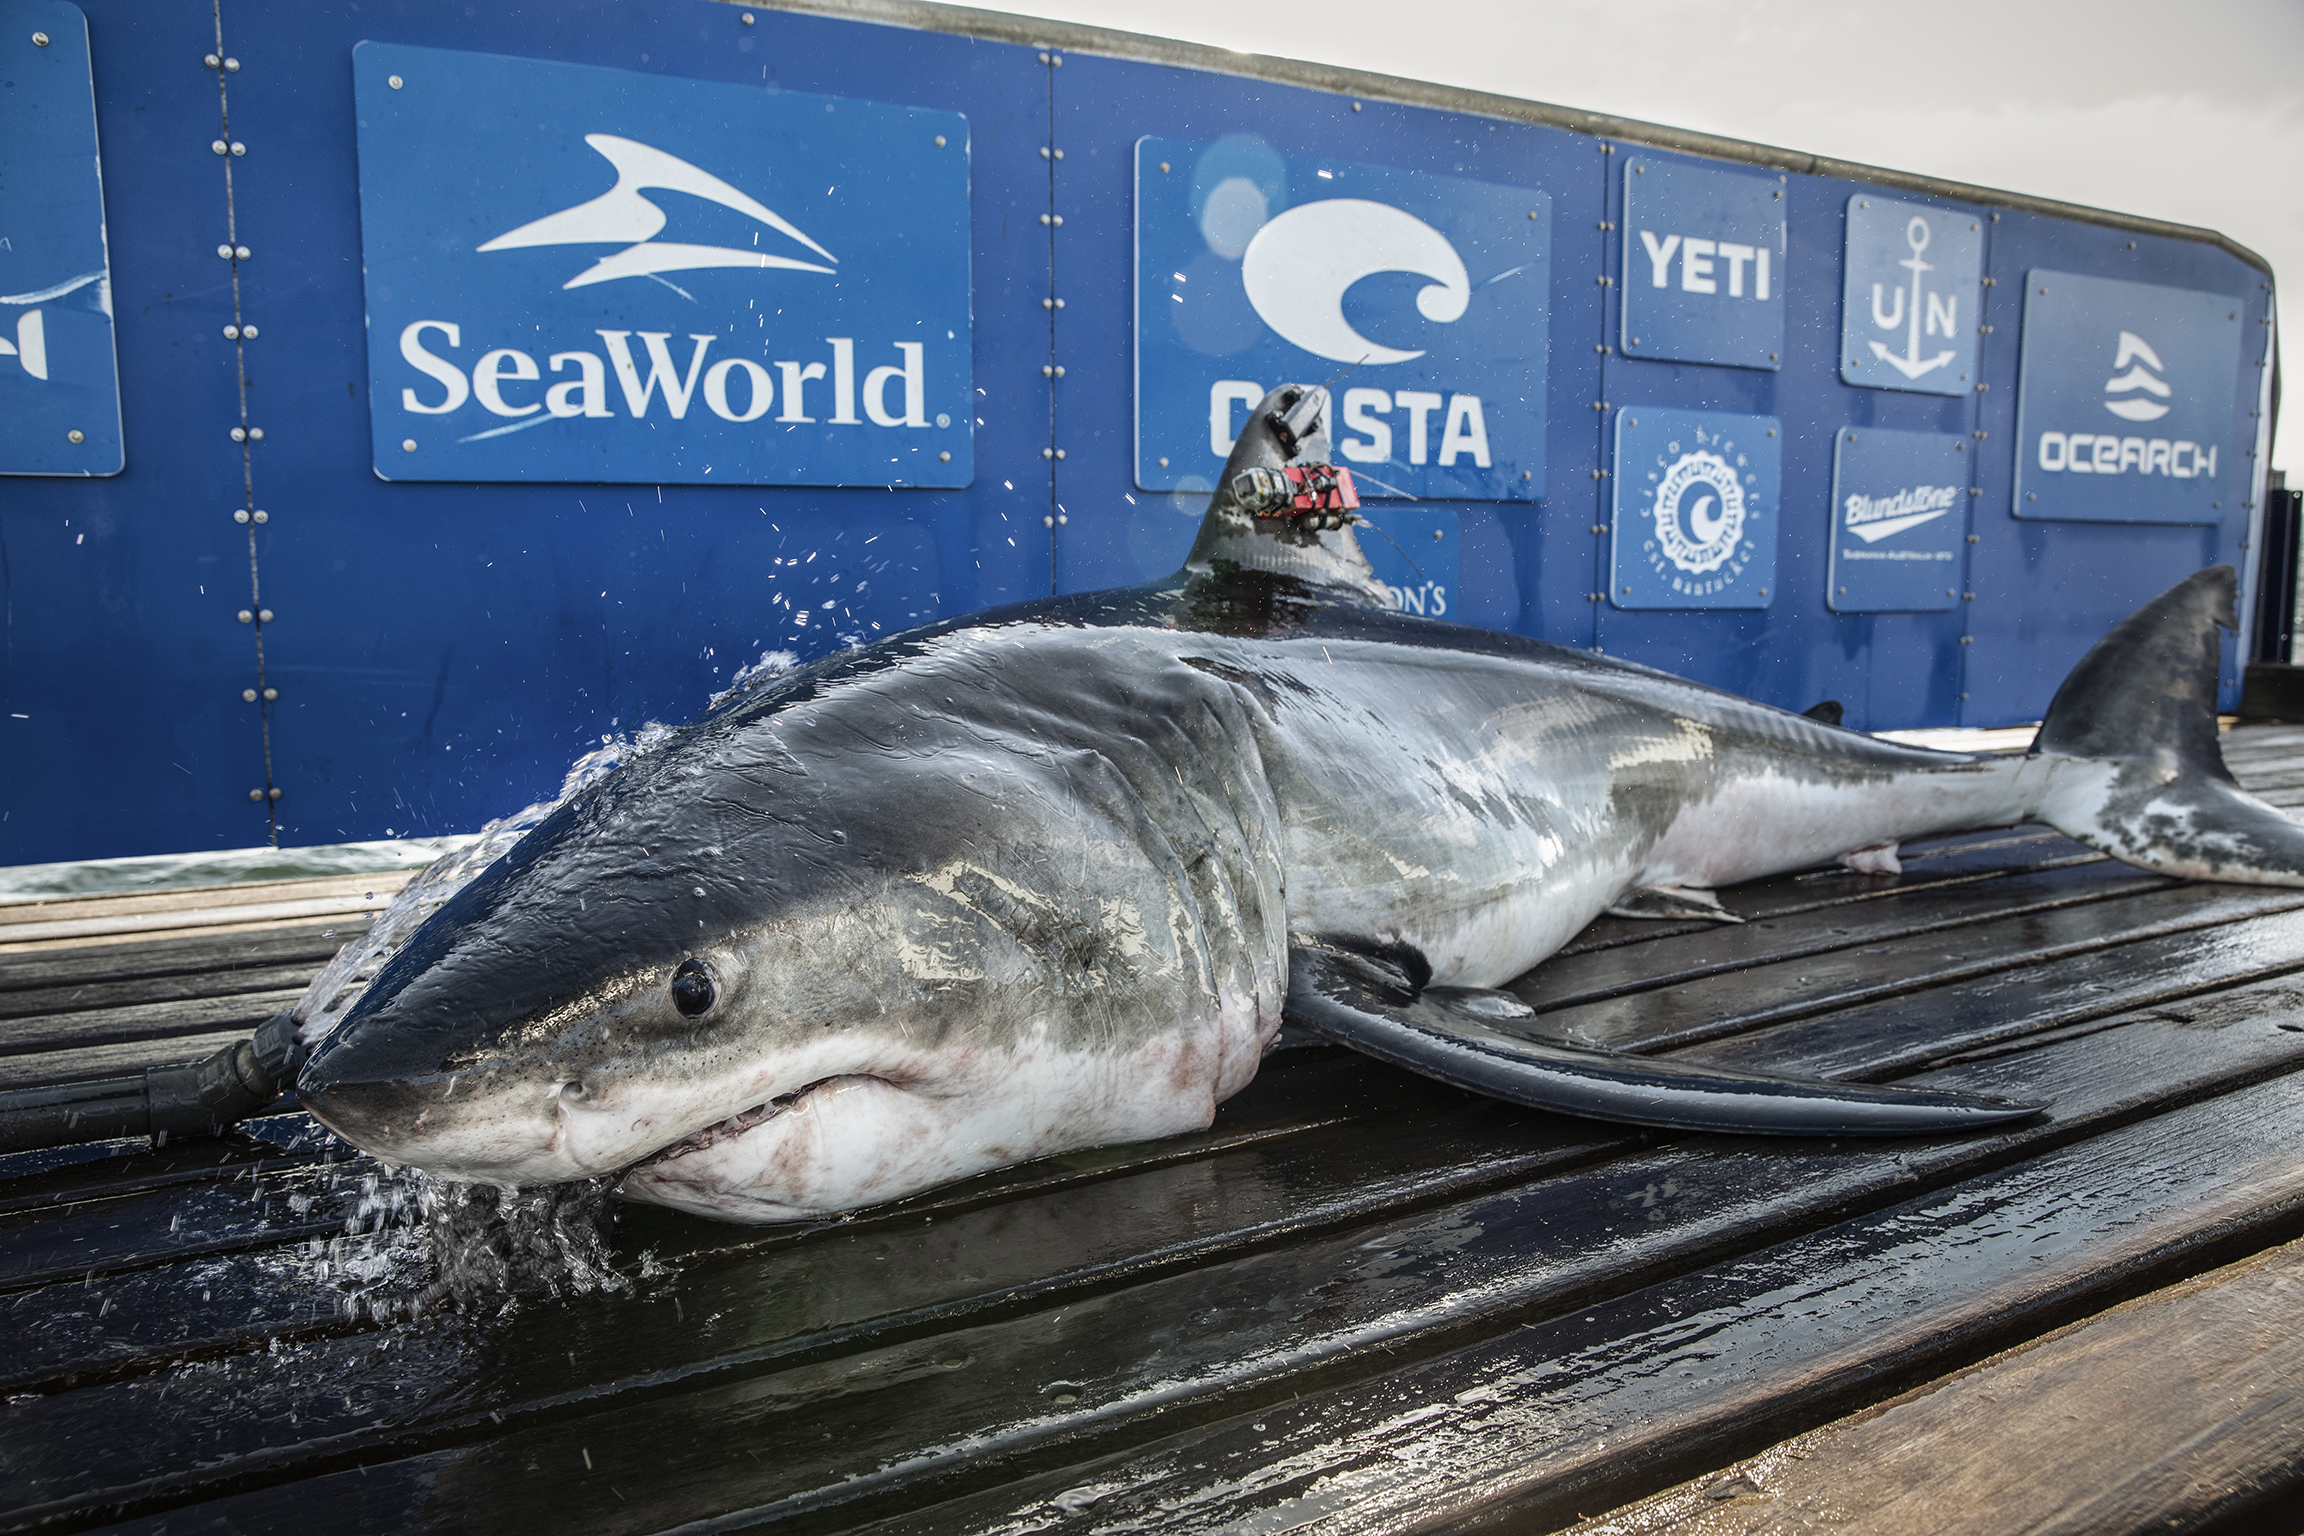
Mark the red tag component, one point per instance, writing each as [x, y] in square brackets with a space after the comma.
[1295, 490]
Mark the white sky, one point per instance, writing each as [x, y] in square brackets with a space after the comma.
[2191, 112]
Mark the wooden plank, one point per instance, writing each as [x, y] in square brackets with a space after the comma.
[311, 944]
[98, 993]
[20, 936]
[83, 1063]
[879, 1335]
[360, 890]
[2172, 1412]
[143, 1021]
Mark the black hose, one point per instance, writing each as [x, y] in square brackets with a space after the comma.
[202, 1098]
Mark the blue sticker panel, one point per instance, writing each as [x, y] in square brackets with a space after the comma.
[1413, 551]
[1255, 268]
[1898, 518]
[2124, 409]
[1913, 280]
[590, 274]
[1696, 506]
[1703, 264]
[59, 384]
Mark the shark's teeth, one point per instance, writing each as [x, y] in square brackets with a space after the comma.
[729, 1129]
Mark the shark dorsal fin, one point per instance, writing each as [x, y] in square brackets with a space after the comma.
[1288, 428]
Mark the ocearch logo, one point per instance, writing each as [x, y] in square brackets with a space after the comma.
[1296, 270]
[735, 389]
[2139, 395]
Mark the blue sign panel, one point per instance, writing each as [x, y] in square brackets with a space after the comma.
[595, 275]
[1897, 521]
[59, 387]
[1413, 551]
[1703, 264]
[1911, 287]
[1431, 293]
[2124, 406]
[1696, 505]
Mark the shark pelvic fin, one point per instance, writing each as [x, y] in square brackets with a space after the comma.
[1375, 1000]
[1672, 904]
[2130, 744]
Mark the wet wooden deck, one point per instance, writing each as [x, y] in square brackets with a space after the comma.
[1359, 1301]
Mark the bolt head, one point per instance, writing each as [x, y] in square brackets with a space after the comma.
[1059, 370]
[240, 516]
[1059, 453]
[231, 333]
[263, 517]
[224, 251]
[1163, 463]
[271, 694]
[248, 331]
[246, 617]
[232, 66]
[256, 795]
[407, 445]
[394, 81]
[274, 792]
[945, 455]
[247, 695]
[255, 434]
[39, 39]
[75, 436]
[212, 61]
[939, 141]
[747, 18]
[239, 148]
[264, 614]
[239, 435]
[240, 251]
[219, 147]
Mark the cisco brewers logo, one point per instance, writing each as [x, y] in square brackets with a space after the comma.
[654, 378]
[2138, 391]
[1699, 512]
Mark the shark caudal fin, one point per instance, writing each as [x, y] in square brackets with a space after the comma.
[2130, 746]
[1375, 1000]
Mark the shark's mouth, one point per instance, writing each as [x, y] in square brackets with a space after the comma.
[736, 1125]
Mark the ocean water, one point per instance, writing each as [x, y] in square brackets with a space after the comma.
[165, 871]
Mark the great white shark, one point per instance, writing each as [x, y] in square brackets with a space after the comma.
[1053, 875]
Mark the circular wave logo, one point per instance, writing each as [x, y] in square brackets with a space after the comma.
[1699, 511]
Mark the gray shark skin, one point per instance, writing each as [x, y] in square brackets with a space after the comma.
[1050, 877]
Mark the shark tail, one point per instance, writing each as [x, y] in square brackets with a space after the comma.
[2130, 747]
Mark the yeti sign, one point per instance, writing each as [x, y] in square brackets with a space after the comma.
[589, 274]
[2124, 408]
[1429, 295]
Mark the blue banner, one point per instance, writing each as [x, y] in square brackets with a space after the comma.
[1696, 506]
[1413, 551]
[1911, 286]
[591, 274]
[2125, 409]
[1899, 512]
[1703, 264]
[1426, 298]
[59, 385]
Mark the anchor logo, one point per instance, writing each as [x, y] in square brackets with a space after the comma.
[1942, 311]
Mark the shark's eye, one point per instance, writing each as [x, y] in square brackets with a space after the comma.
[692, 990]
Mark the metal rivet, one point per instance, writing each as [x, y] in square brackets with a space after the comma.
[239, 435]
[248, 332]
[1975, 490]
[407, 445]
[256, 795]
[240, 251]
[247, 695]
[263, 517]
[1059, 221]
[1058, 61]
[1163, 167]
[224, 251]
[1047, 303]
[211, 61]
[75, 436]
[231, 333]
[1047, 453]
[748, 18]
[1059, 303]
[1044, 218]
[1059, 453]
[945, 455]
[1771, 357]
[1355, 106]
[246, 617]
[263, 615]
[1967, 597]
[219, 147]
[255, 434]
[394, 81]
[1044, 154]
[1843, 591]
[1048, 521]
[1437, 536]
[1043, 58]
[232, 66]
[239, 148]
[271, 695]
[240, 515]
[939, 137]
[1059, 370]
[273, 792]
[39, 39]
[1967, 639]
[1771, 431]
[1972, 538]
[1047, 371]
[1061, 519]
[1163, 463]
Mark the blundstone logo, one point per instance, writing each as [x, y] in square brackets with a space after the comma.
[1873, 518]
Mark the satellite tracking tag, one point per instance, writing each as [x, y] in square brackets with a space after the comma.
[59, 385]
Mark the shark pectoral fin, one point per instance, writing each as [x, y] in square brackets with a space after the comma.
[1672, 903]
[1374, 1000]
